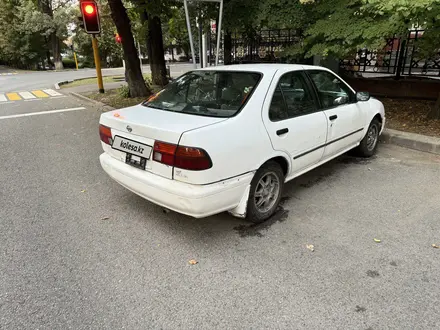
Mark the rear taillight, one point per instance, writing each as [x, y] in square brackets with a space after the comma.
[187, 158]
[105, 133]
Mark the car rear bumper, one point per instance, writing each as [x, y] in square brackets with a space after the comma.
[198, 201]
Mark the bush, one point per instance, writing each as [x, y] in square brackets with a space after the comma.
[69, 63]
[86, 64]
[124, 92]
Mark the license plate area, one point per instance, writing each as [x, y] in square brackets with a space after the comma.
[136, 161]
[137, 153]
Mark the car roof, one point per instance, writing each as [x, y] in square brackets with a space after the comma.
[265, 68]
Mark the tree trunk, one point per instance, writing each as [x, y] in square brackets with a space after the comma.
[55, 42]
[49, 61]
[156, 51]
[435, 112]
[56, 51]
[227, 47]
[136, 83]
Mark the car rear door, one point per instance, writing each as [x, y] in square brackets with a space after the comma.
[345, 117]
[293, 120]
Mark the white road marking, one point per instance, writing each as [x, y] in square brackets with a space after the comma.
[51, 92]
[27, 95]
[41, 113]
[58, 97]
[3, 98]
[33, 100]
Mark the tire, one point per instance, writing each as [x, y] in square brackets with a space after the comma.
[368, 145]
[272, 194]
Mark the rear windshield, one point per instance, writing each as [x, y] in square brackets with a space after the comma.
[207, 93]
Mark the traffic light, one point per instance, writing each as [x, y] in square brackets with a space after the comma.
[89, 11]
[118, 38]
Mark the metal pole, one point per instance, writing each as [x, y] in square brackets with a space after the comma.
[76, 60]
[97, 63]
[219, 32]
[188, 26]
[200, 42]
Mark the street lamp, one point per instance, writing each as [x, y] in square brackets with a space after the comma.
[219, 30]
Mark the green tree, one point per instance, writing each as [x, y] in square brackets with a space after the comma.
[339, 27]
[136, 83]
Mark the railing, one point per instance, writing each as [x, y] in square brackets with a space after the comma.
[400, 56]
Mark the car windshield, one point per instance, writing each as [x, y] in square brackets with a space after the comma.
[207, 93]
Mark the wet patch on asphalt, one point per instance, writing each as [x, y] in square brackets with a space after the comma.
[316, 180]
[360, 309]
[255, 230]
[373, 273]
[355, 160]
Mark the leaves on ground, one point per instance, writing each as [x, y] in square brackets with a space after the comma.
[311, 247]
[410, 116]
[193, 262]
[105, 218]
[83, 191]
[435, 246]
[377, 240]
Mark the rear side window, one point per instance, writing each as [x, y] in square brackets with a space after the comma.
[292, 98]
[207, 93]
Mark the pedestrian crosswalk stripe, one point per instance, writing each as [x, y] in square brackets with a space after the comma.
[40, 94]
[8, 73]
[26, 95]
[13, 96]
[29, 95]
[51, 92]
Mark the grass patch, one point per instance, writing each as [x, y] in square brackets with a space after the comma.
[114, 98]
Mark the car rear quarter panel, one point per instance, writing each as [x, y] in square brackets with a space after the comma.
[236, 146]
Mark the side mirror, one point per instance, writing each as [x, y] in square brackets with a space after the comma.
[362, 96]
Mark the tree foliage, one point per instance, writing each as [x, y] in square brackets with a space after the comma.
[339, 27]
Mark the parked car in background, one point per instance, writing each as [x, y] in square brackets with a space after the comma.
[228, 138]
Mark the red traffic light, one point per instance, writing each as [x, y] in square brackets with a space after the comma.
[90, 16]
[118, 38]
[89, 9]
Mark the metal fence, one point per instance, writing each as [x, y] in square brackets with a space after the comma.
[265, 46]
[400, 56]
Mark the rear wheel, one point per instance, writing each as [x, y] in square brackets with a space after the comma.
[265, 194]
[369, 143]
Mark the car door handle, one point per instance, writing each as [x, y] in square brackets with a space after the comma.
[334, 117]
[282, 131]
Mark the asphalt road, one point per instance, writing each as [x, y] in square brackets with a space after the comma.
[28, 80]
[62, 266]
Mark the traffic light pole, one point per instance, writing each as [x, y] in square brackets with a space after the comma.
[97, 63]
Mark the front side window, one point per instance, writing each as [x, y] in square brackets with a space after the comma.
[207, 93]
[331, 90]
[292, 98]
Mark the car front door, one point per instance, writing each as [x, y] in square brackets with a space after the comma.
[293, 120]
[345, 117]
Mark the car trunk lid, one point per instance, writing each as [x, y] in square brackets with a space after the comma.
[140, 124]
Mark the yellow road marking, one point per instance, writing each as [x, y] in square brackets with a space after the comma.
[13, 96]
[39, 93]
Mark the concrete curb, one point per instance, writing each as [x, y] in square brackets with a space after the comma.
[96, 103]
[60, 83]
[412, 141]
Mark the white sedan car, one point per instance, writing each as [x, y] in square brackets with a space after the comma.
[228, 138]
